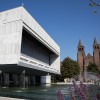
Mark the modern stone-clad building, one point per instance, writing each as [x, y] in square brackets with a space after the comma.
[26, 49]
[84, 59]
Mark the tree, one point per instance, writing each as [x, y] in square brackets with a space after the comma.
[69, 68]
[92, 67]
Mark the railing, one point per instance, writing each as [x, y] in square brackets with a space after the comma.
[32, 61]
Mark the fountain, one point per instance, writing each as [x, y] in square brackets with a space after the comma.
[40, 92]
[24, 80]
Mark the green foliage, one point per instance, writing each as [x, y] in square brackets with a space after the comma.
[69, 68]
[92, 67]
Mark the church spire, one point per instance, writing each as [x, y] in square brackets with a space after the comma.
[80, 43]
[95, 41]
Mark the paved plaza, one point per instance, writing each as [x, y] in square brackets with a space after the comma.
[7, 98]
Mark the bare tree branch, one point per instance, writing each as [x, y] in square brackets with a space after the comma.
[94, 3]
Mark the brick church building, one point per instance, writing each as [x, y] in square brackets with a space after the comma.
[84, 59]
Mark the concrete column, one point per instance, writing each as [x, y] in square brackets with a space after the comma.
[26, 81]
[6, 79]
[29, 80]
[15, 79]
[20, 80]
[32, 80]
[46, 79]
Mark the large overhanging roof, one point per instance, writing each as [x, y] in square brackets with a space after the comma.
[28, 21]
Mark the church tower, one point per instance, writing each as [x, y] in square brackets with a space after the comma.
[96, 52]
[80, 58]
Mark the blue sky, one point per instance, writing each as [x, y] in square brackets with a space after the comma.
[66, 21]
